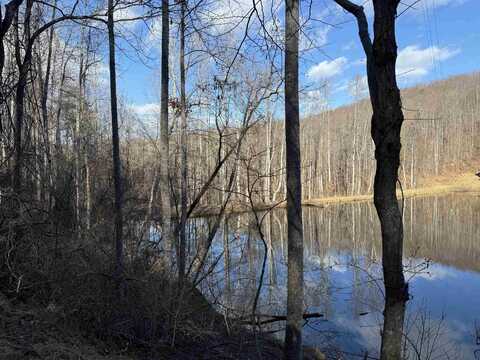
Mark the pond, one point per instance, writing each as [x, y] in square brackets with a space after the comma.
[343, 278]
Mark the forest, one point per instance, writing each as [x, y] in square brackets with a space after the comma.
[245, 213]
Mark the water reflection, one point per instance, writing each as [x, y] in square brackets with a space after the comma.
[343, 277]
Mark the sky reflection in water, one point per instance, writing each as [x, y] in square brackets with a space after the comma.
[343, 275]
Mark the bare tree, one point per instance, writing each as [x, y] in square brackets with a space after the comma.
[183, 145]
[117, 163]
[164, 136]
[387, 121]
[11, 9]
[293, 333]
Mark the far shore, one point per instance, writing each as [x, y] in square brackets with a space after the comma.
[463, 183]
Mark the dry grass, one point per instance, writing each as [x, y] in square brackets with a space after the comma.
[467, 182]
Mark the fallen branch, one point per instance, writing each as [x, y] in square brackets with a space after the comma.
[274, 318]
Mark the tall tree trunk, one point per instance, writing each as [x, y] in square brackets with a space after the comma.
[164, 136]
[11, 9]
[44, 104]
[117, 165]
[23, 66]
[77, 146]
[354, 145]
[268, 156]
[19, 114]
[88, 192]
[293, 333]
[387, 121]
[183, 141]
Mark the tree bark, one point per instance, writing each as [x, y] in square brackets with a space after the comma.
[58, 139]
[88, 192]
[23, 66]
[117, 165]
[44, 106]
[77, 144]
[293, 333]
[183, 141]
[11, 9]
[164, 136]
[387, 121]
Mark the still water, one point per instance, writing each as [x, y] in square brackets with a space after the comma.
[343, 278]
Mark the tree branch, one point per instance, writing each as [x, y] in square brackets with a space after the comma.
[359, 13]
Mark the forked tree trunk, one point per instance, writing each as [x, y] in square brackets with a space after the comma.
[387, 121]
[293, 333]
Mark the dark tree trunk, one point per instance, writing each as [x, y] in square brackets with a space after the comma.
[183, 180]
[44, 101]
[164, 136]
[293, 333]
[387, 121]
[11, 9]
[19, 114]
[117, 165]
[58, 140]
[23, 66]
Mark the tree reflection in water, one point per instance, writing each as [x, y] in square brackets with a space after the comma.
[343, 277]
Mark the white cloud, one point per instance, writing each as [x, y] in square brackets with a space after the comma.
[327, 69]
[127, 16]
[146, 110]
[414, 61]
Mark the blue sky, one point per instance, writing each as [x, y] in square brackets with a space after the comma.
[436, 39]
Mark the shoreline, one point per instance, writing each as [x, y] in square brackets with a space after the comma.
[463, 183]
